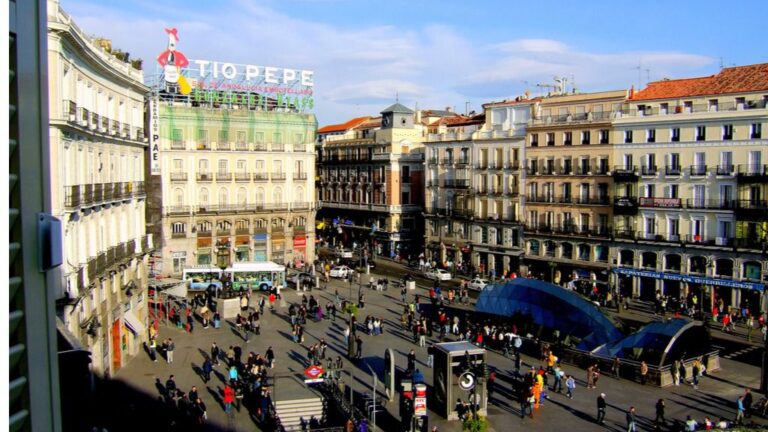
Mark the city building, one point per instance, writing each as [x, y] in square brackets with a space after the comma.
[568, 185]
[691, 188]
[97, 151]
[236, 184]
[372, 183]
[473, 188]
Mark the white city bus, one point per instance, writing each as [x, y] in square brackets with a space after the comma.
[255, 275]
[201, 278]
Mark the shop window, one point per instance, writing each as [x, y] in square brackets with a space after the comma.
[672, 262]
[627, 258]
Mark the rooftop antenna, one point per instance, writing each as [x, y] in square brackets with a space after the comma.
[647, 76]
[721, 62]
[397, 96]
[639, 68]
[573, 84]
[466, 108]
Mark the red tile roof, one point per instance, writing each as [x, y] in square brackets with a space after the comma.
[740, 79]
[343, 126]
[370, 123]
[459, 120]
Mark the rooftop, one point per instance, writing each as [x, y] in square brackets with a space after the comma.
[343, 126]
[740, 79]
[399, 108]
[459, 120]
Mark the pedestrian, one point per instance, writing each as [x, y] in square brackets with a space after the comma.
[207, 369]
[696, 371]
[270, 358]
[691, 424]
[170, 387]
[169, 351]
[229, 397]
[676, 372]
[660, 413]
[601, 408]
[747, 403]
[411, 360]
[491, 384]
[570, 385]
[215, 353]
[153, 348]
[739, 410]
[201, 413]
[631, 422]
[615, 366]
[359, 343]
[430, 355]
[643, 372]
[590, 376]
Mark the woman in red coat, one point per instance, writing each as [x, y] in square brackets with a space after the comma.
[229, 397]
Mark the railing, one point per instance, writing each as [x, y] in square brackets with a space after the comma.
[179, 176]
[540, 199]
[278, 176]
[242, 177]
[697, 170]
[223, 176]
[648, 170]
[72, 196]
[178, 145]
[461, 162]
[178, 210]
[573, 118]
[725, 170]
[752, 205]
[260, 177]
[432, 161]
[593, 200]
[278, 147]
[126, 132]
[69, 111]
[710, 204]
[299, 147]
[456, 183]
[104, 124]
[695, 108]
[204, 176]
[672, 170]
[241, 146]
[299, 176]
[242, 231]
[203, 145]
[223, 146]
[752, 170]
[179, 234]
[140, 134]
[260, 147]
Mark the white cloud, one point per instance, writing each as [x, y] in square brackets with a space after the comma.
[361, 68]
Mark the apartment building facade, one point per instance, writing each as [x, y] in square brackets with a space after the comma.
[691, 184]
[473, 188]
[568, 184]
[372, 184]
[236, 184]
[97, 151]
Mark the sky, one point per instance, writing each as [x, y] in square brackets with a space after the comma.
[438, 54]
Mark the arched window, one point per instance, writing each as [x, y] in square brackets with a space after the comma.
[649, 259]
[567, 250]
[698, 264]
[242, 196]
[204, 227]
[178, 228]
[277, 195]
[178, 197]
[752, 270]
[672, 262]
[549, 248]
[299, 195]
[627, 258]
[585, 252]
[223, 197]
[260, 196]
[724, 267]
[204, 197]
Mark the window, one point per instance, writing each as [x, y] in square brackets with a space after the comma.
[567, 138]
[701, 133]
[223, 166]
[179, 261]
[567, 165]
[650, 190]
[604, 166]
[713, 105]
[550, 139]
[651, 135]
[688, 107]
[178, 197]
[178, 228]
[628, 136]
[178, 165]
[223, 136]
[675, 134]
[603, 136]
[202, 136]
[728, 132]
[650, 225]
[242, 166]
[664, 108]
[241, 137]
[258, 137]
[406, 174]
[223, 197]
[673, 191]
[534, 140]
[585, 137]
[673, 229]
[406, 198]
[277, 138]
[177, 137]
[726, 163]
[756, 130]
[202, 165]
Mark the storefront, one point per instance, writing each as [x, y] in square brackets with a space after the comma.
[204, 251]
[223, 252]
[260, 247]
[242, 248]
[278, 248]
[299, 249]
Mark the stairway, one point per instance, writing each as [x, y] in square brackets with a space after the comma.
[291, 412]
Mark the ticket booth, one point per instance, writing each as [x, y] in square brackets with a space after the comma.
[459, 373]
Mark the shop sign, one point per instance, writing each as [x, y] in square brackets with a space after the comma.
[689, 278]
[299, 241]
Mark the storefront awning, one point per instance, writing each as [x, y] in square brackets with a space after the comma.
[133, 323]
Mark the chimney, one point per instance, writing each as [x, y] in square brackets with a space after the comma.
[632, 92]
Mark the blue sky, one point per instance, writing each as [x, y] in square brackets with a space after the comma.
[441, 53]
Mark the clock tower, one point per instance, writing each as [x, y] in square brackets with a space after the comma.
[397, 116]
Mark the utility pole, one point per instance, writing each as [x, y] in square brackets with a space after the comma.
[373, 396]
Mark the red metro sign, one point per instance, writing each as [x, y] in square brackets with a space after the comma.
[314, 373]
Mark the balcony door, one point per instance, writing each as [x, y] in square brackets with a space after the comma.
[753, 162]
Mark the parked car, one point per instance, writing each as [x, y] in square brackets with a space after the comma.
[345, 253]
[477, 284]
[340, 271]
[438, 274]
[305, 278]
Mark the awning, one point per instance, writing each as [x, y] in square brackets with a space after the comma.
[180, 290]
[133, 323]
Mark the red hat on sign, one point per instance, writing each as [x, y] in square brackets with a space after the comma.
[174, 32]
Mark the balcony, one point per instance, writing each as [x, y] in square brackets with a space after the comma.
[456, 183]
[625, 206]
[671, 171]
[140, 134]
[625, 173]
[710, 204]
[178, 145]
[203, 145]
[178, 176]
[69, 112]
[593, 200]
[540, 199]
[751, 243]
[697, 170]
[461, 162]
[300, 148]
[278, 147]
[242, 177]
[260, 147]
[223, 176]
[660, 202]
[204, 233]
[260, 177]
[72, 196]
[115, 129]
[223, 146]
[432, 161]
[204, 177]
[751, 210]
[513, 166]
[624, 234]
[242, 231]
[725, 170]
[278, 176]
[299, 176]
[223, 232]
[530, 171]
[178, 210]
[178, 235]
[648, 170]
[583, 170]
[752, 173]
[241, 146]
[446, 161]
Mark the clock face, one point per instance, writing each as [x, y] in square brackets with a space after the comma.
[385, 121]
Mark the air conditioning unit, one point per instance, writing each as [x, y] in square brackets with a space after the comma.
[721, 241]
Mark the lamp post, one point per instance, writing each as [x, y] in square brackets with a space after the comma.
[373, 396]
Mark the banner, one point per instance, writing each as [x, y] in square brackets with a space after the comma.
[689, 278]
[154, 137]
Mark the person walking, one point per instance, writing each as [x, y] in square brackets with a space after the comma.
[215, 353]
[207, 369]
[169, 351]
[747, 403]
[359, 343]
[643, 372]
[631, 421]
[270, 354]
[412, 360]
[660, 406]
[615, 367]
[739, 410]
[229, 397]
[570, 386]
[601, 405]
[153, 349]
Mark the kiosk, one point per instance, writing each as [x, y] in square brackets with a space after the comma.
[459, 373]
